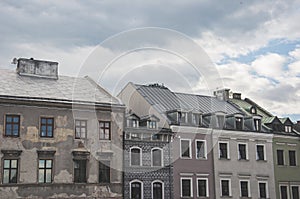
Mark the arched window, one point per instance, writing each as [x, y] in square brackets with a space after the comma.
[157, 157]
[135, 156]
[157, 190]
[136, 189]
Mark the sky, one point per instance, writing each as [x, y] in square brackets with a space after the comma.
[253, 46]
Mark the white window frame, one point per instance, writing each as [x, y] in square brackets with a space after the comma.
[265, 156]
[205, 149]
[282, 157]
[152, 122]
[142, 187]
[249, 190]
[287, 190]
[163, 188]
[207, 188]
[162, 156]
[267, 188]
[191, 185]
[296, 160]
[228, 152]
[229, 184]
[141, 155]
[238, 151]
[190, 149]
[288, 128]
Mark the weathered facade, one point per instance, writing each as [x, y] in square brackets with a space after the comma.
[148, 172]
[60, 137]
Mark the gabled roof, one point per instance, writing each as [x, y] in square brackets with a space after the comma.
[64, 89]
[286, 121]
[165, 100]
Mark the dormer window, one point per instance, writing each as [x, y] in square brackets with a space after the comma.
[135, 123]
[152, 124]
[257, 124]
[183, 117]
[196, 119]
[239, 123]
[288, 129]
[220, 121]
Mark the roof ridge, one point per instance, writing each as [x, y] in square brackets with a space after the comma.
[255, 104]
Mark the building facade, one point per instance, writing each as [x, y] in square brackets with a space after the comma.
[60, 137]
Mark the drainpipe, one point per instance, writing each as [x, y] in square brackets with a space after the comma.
[213, 164]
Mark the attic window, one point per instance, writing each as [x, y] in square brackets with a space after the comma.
[253, 110]
[152, 124]
[183, 116]
[257, 124]
[239, 123]
[220, 121]
[288, 129]
[196, 119]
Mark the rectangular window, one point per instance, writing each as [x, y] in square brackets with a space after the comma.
[239, 123]
[196, 119]
[260, 152]
[263, 192]
[220, 121]
[186, 187]
[283, 192]
[292, 158]
[257, 124]
[185, 148]
[201, 149]
[80, 171]
[225, 187]
[12, 125]
[288, 129]
[152, 124]
[242, 151]
[280, 157]
[80, 129]
[295, 192]
[223, 150]
[10, 171]
[47, 126]
[104, 130]
[202, 187]
[244, 187]
[104, 171]
[45, 171]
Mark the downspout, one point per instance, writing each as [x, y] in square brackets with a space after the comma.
[213, 164]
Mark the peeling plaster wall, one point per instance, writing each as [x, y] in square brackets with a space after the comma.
[63, 142]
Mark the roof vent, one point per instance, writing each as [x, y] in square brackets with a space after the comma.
[222, 94]
[157, 85]
[37, 68]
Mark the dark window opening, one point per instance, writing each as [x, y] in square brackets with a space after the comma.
[295, 192]
[244, 189]
[223, 150]
[104, 171]
[47, 127]
[80, 129]
[104, 130]
[156, 157]
[283, 192]
[225, 187]
[260, 152]
[242, 152]
[186, 188]
[292, 158]
[239, 123]
[200, 149]
[157, 190]
[280, 157]
[80, 171]
[185, 149]
[202, 188]
[135, 157]
[136, 190]
[262, 190]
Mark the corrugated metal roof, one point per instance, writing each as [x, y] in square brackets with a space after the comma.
[65, 88]
[165, 100]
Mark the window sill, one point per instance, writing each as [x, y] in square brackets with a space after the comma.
[261, 160]
[225, 196]
[185, 158]
[201, 158]
[243, 160]
[226, 159]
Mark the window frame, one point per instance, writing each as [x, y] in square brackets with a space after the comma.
[104, 128]
[295, 151]
[229, 187]
[190, 148]
[298, 186]
[228, 150]
[246, 152]
[205, 150]
[248, 188]
[12, 124]
[130, 156]
[283, 159]
[206, 184]
[106, 168]
[191, 186]
[257, 156]
[52, 125]
[163, 188]
[287, 191]
[85, 174]
[10, 169]
[80, 127]
[267, 188]
[142, 187]
[239, 121]
[45, 169]
[152, 124]
[161, 157]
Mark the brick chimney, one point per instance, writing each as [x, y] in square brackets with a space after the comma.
[37, 68]
[237, 96]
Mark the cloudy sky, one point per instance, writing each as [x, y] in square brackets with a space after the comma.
[253, 45]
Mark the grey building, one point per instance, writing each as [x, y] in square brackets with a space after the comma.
[60, 137]
[148, 171]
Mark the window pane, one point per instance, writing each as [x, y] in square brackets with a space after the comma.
[186, 187]
[50, 121]
[48, 164]
[260, 152]
[6, 163]
[283, 192]
[225, 187]
[41, 175]
[6, 176]
[157, 190]
[244, 188]
[202, 188]
[136, 191]
[292, 157]
[48, 175]
[200, 153]
[156, 157]
[8, 119]
[13, 176]
[262, 190]
[185, 148]
[223, 150]
[14, 164]
[16, 119]
[280, 158]
[295, 192]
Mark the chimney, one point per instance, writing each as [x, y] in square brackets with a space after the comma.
[222, 94]
[37, 68]
[237, 96]
[298, 122]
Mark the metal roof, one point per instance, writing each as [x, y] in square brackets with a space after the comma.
[165, 100]
[79, 89]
